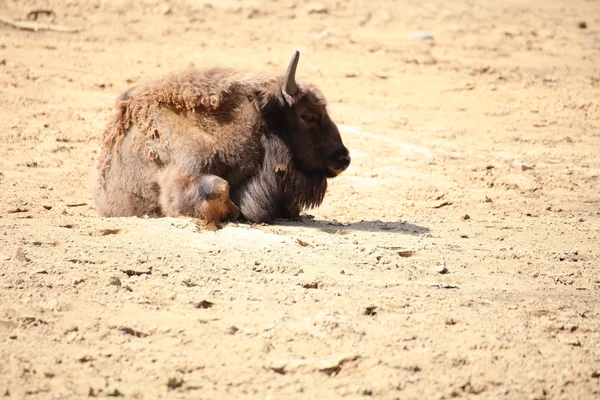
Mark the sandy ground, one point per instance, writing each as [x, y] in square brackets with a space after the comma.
[458, 256]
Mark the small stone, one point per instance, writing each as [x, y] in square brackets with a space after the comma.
[370, 311]
[570, 328]
[204, 304]
[421, 36]
[317, 8]
[114, 280]
[466, 217]
[174, 383]
[115, 393]
[232, 330]
[582, 25]
[440, 269]
[50, 305]
[85, 358]
[526, 166]
[73, 328]
[20, 255]
[302, 243]
[70, 337]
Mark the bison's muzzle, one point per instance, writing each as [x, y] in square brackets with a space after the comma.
[338, 162]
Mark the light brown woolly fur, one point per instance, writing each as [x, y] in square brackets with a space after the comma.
[187, 90]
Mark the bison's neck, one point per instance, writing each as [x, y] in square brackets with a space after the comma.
[303, 191]
[271, 194]
[298, 189]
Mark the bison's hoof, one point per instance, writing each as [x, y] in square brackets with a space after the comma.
[216, 206]
[213, 211]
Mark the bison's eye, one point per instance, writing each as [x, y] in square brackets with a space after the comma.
[310, 118]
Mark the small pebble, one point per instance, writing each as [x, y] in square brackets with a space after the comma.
[20, 255]
[440, 269]
[115, 281]
[526, 166]
[317, 8]
[174, 383]
[232, 330]
[370, 310]
[421, 36]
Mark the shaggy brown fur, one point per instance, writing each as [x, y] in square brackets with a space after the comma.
[213, 143]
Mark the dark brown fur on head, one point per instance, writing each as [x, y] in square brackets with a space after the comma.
[181, 132]
[304, 125]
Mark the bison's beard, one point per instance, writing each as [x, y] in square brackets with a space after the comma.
[270, 195]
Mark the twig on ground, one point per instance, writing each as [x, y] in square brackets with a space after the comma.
[35, 27]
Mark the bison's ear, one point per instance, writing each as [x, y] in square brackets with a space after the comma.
[269, 102]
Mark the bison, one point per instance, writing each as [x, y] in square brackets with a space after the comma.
[218, 144]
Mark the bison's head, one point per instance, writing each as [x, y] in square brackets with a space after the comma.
[298, 114]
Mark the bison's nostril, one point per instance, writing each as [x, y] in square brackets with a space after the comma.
[339, 161]
[344, 161]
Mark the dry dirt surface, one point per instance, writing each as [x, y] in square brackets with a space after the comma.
[458, 256]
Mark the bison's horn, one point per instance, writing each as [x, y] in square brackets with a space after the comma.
[289, 86]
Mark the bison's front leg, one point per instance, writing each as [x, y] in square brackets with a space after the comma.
[200, 196]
